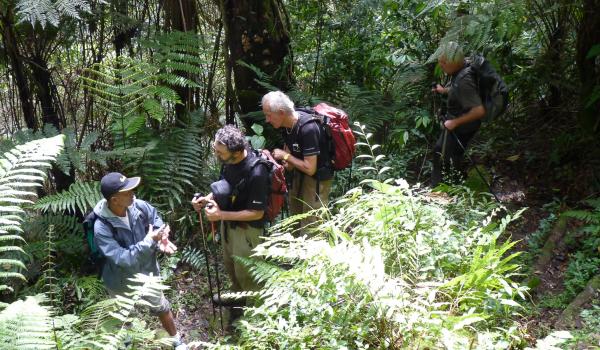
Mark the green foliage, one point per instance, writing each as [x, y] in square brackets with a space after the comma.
[128, 91]
[584, 263]
[104, 325]
[64, 225]
[390, 269]
[581, 268]
[194, 257]
[173, 169]
[257, 140]
[20, 172]
[81, 196]
[176, 53]
[26, 324]
[50, 12]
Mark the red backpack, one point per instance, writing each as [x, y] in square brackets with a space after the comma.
[337, 127]
[277, 185]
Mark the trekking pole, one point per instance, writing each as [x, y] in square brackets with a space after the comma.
[210, 287]
[213, 229]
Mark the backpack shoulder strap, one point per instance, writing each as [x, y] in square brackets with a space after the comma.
[143, 214]
[92, 217]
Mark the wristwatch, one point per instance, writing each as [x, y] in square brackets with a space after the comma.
[287, 155]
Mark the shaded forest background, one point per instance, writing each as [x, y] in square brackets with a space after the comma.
[140, 86]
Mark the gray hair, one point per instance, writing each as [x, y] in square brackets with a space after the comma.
[277, 101]
[232, 137]
[451, 51]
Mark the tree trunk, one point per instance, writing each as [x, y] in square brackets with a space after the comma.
[181, 15]
[588, 35]
[257, 34]
[122, 35]
[44, 89]
[18, 69]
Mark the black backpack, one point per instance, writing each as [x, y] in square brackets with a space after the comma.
[492, 89]
[96, 258]
[326, 145]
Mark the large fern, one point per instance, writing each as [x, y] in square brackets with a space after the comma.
[105, 325]
[174, 169]
[21, 170]
[129, 92]
[26, 324]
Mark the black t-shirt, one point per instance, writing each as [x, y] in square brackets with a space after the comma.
[462, 97]
[303, 141]
[252, 194]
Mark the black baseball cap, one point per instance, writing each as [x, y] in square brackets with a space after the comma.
[221, 191]
[113, 183]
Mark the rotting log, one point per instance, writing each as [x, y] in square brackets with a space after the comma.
[553, 241]
[568, 318]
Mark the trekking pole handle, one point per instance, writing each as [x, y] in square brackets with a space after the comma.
[212, 223]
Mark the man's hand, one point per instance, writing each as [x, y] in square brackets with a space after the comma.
[199, 202]
[439, 89]
[155, 234]
[287, 165]
[213, 212]
[279, 154]
[165, 245]
[451, 124]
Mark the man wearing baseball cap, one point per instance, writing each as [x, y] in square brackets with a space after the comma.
[129, 233]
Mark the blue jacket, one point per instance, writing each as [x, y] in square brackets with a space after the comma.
[139, 254]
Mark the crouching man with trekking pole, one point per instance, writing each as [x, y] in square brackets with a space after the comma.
[464, 112]
[129, 233]
[238, 201]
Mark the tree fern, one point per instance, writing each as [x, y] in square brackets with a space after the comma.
[50, 12]
[128, 91]
[20, 171]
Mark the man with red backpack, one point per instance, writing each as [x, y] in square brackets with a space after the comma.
[305, 153]
[239, 201]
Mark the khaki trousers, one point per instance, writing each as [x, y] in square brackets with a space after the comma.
[304, 197]
[238, 241]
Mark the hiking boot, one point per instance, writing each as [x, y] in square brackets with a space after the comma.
[228, 301]
[178, 343]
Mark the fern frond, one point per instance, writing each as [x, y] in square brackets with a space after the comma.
[28, 158]
[64, 225]
[194, 257]
[26, 324]
[80, 196]
[48, 12]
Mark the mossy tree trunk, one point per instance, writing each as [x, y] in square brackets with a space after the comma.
[257, 34]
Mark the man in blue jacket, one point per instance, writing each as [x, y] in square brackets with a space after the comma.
[129, 233]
